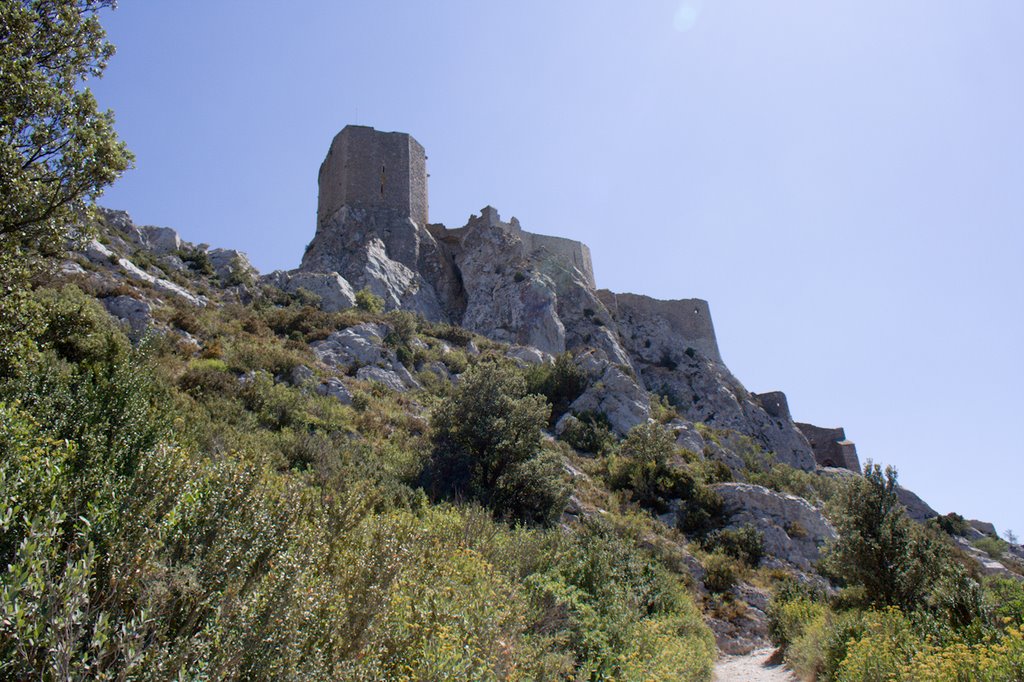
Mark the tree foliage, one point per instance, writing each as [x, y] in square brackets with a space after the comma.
[487, 438]
[879, 548]
[58, 151]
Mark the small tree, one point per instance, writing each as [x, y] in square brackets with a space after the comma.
[879, 548]
[57, 150]
[487, 446]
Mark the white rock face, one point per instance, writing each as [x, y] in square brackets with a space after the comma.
[101, 255]
[137, 314]
[362, 347]
[389, 378]
[613, 393]
[161, 240]
[362, 344]
[334, 388]
[228, 263]
[385, 252]
[793, 529]
[334, 290]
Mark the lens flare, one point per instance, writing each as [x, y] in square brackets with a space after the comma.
[687, 14]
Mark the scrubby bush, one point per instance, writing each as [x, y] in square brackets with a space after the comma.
[650, 468]
[879, 654]
[994, 547]
[589, 432]
[745, 544]
[487, 442]
[561, 382]
[197, 259]
[951, 524]
[369, 301]
[721, 572]
[878, 547]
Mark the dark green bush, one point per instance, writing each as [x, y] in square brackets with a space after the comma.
[369, 301]
[879, 548]
[745, 544]
[487, 436]
[589, 432]
[721, 572]
[646, 465]
[951, 524]
[198, 260]
[560, 382]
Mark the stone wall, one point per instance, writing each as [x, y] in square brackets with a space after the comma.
[368, 168]
[831, 447]
[686, 322]
[574, 253]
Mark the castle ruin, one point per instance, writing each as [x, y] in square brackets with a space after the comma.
[367, 168]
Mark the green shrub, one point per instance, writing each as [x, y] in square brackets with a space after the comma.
[994, 547]
[561, 383]
[369, 301]
[951, 524]
[611, 604]
[650, 468]
[878, 546]
[721, 572]
[487, 439]
[745, 544]
[589, 432]
[888, 643]
[198, 260]
[1006, 599]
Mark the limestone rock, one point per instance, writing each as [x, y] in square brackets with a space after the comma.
[387, 377]
[137, 314]
[334, 388]
[384, 251]
[362, 344]
[161, 240]
[793, 529]
[525, 356]
[917, 508]
[99, 254]
[334, 291]
[613, 393]
[300, 374]
[231, 265]
[687, 436]
[983, 527]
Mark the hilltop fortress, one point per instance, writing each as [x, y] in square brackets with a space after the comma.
[535, 291]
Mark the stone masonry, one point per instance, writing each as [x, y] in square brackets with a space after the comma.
[367, 168]
[831, 447]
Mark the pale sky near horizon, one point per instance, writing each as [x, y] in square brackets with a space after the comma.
[843, 181]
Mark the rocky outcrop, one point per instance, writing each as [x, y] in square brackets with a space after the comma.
[383, 251]
[793, 529]
[701, 387]
[231, 266]
[613, 392]
[333, 290]
[360, 350]
[917, 508]
[133, 312]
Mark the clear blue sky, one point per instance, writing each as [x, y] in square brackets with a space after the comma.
[843, 181]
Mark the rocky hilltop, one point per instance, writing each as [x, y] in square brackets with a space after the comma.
[531, 296]
[499, 280]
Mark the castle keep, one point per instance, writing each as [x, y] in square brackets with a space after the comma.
[367, 168]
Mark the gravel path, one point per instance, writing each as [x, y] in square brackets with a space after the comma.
[753, 667]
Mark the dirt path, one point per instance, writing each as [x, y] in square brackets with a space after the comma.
[753, 667]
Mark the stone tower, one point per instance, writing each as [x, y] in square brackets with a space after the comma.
[371, 169]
